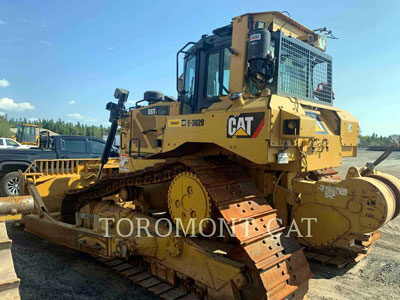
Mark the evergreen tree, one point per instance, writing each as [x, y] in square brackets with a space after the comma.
[59, 127]
[4, 127]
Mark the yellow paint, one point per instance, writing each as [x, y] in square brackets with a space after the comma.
[241, 132]
[189, 202]
[7, 218]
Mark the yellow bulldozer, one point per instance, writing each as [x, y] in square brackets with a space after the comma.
[28, 134]
[223, 193]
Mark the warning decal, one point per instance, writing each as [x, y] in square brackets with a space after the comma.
[319, 125]
[255, 37]
[176, 123]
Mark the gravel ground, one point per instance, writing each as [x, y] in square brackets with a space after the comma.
[49, 271]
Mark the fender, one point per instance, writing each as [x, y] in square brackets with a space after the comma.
[15, 164]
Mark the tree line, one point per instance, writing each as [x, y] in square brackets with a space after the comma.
[375, 140]
[59, 126]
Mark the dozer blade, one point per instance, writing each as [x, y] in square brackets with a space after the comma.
[9, 283]
[11, 208]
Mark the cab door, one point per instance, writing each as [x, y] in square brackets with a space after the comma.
[190, 85]
[206, 75]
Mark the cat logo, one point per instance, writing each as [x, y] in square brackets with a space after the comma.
[246, 125]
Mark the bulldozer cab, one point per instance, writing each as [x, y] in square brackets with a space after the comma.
[232, 83]
[282, 57]
[27, 134]
[206, 70]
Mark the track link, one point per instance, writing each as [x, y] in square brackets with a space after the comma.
[275, 261]
[142, 277]
[278, 258]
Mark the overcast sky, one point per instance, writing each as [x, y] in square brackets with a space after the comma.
[63, 59]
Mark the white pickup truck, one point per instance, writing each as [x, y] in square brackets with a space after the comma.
[7, 143]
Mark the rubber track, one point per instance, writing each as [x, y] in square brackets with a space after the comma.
[277, 261]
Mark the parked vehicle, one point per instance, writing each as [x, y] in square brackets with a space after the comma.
[51, 147]
[28, 134]
[117, 140]
[8, 143]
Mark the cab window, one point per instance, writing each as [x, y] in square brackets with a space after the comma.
[214, 69]
[97, 147]
[72, 145]
[30, 134]
[190, 80]
[19, 133]
[212, 75]
[226, 70]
